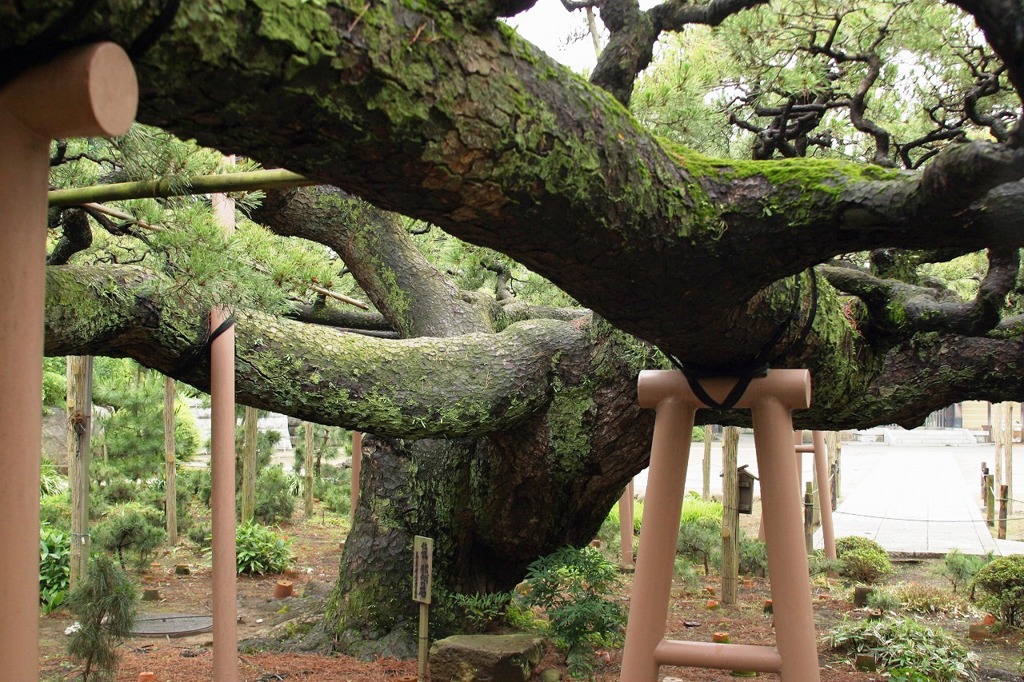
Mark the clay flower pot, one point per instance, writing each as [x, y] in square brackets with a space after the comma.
[720, 637]
[283, 589]
[712, 604]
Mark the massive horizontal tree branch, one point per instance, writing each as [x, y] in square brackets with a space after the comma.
[425, 387]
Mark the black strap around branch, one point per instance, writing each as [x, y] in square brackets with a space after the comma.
[760, 365]
[196, 356]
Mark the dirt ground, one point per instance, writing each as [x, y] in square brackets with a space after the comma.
[317, 546]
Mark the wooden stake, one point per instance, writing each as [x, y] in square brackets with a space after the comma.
[307, 465]
[730, 515]
[170, 465]
[250, 439]
[79, 373]
[1003, 504]
[990, 500]
[706, 491]
[809, 517]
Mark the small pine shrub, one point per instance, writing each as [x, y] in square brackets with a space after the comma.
[901, 645]
[201, 534]
[864, 565]
[275, 501]
[700, 541]
[961, 568]
[105, 604]
[753, 557]
[131, 527]
[819, 564]
[884, 600]
[54, 566]
[260, 550]
[686, 574]
[574, 588]
[1002, 582]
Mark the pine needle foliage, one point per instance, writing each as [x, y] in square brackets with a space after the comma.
[105, 604]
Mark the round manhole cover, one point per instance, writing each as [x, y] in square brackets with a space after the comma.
[170, 625]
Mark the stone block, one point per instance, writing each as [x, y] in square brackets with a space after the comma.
[485, 658]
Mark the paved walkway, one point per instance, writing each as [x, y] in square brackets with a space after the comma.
[922, 500]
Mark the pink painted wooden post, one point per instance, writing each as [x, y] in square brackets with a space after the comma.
[88, 91]
[222, 473]
[357, 469]
[771, 400]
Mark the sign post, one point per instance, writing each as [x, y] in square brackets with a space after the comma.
[422, 560]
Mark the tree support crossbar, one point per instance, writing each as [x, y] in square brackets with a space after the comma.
[771, 400]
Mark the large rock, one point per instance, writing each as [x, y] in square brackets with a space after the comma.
[485, 658]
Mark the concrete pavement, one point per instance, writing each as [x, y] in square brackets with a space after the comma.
[920, 500]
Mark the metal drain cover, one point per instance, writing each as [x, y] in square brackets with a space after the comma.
[170, 625]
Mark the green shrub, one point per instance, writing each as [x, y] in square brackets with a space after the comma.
[920, 598]
[55, 388]
[260, 550]
[700, 541]
[275, 501]
[481, 613]
[901, 645]
[851, 542]
[884, 600]
[201, 534]
[864, 565]
[54, 566]
[575, 589]
[1002, 581]
[696, 508]
[753, 557]
[105, 606]
[686, 574]
[55, 510]
[818, 563]
[697, 435]
[961, 568]
[131, 527]
[50, 480]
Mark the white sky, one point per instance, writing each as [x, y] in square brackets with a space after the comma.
[549, 26]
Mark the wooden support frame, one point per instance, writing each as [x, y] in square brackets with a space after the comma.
[771, 400]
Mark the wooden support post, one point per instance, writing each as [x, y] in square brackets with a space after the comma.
[990, 500]
[984, 474]
[87, 91]
[79, 373]
[706, 468]
[222, 475]
[357, 465]
[170, 465]
[999, 435]
[1004, 495]
[809, 517]
[1008, 452]
[730, 515]
[250, 445]
[307, 464]
[835, 451]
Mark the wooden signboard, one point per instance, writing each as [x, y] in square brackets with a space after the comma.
[422, 560]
